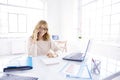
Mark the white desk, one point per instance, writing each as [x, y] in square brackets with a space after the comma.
[45, 72]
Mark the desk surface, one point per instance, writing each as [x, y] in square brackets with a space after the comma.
[46, 72]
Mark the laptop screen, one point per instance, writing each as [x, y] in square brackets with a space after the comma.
[84, 54]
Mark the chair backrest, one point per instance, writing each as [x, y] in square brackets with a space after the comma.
[62, 45]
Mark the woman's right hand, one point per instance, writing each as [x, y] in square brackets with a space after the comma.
[35, 36]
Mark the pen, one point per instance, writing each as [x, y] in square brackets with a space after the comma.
[96, 66]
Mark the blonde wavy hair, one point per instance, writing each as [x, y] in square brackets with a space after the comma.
[46, 36]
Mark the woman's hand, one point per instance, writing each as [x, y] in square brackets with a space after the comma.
[35, 35]
[52, 54]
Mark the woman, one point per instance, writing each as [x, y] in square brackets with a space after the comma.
[39, 43]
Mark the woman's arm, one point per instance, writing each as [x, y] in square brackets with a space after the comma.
[54, 50]
[32, 47]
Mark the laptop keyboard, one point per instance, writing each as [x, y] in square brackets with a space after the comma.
[78, 55]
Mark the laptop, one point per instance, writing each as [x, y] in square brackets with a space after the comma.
[77, 56]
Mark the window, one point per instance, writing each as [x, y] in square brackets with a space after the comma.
[100, 20]
[18, 17]
[17, 23]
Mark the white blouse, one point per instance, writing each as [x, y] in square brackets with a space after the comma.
[41, 47]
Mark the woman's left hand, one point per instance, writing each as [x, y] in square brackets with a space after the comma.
[52, 54]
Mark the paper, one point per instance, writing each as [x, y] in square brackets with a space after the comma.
[50, 61]
[71, 69]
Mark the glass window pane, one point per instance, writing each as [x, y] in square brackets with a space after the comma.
[99, 20]
[17, 2]
[3, 1]
[106, 29]
[12, 19]
[13, 22]
[115, 31]
[99, 3]
[103, 17]
[3, 20]
[115, 19]
[107, 10]
[37, 4]
[107, 2]
[116, 8]
[106, 20]
[115, 1]
[86, 1]
[22, 25]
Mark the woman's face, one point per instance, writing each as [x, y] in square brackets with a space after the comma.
[42, 30]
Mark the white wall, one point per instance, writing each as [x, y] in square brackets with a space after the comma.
[54, 16]
[62, 18]
[69, 21]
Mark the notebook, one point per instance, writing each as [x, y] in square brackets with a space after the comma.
[19, 64]
[77, 56]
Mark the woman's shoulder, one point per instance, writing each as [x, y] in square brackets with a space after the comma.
[30, 38]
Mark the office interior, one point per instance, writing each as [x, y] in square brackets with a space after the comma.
[69, 20]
